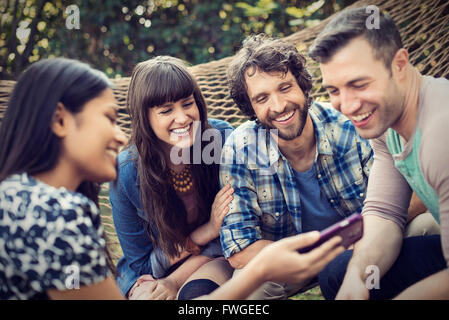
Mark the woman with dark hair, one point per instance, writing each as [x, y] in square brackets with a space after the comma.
[167, 204]
[59, 139]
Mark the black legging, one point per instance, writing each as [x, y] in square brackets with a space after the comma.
[196, 288]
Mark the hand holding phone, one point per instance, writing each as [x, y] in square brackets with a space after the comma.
[349, 229]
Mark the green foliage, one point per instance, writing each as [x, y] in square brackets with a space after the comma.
[114, 35]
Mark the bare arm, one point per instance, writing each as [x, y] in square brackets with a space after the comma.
[280, 261]
[379, 233]
[242, 258]
[385, 214]
[385, 234]
[105, 290]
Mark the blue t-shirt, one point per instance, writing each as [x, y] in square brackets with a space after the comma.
[317, 213]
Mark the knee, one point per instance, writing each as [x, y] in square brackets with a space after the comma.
[196, 288]
[270, 291]
[422, 225]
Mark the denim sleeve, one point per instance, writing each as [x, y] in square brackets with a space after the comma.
[223, 126]
[137, 247]
[159, 262]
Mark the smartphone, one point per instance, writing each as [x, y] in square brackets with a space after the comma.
[350, 229]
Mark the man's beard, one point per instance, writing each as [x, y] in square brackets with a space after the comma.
[302, 121]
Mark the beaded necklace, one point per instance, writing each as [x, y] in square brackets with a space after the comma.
[183, 181]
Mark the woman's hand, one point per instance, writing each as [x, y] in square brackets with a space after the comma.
[210, 230]
[220, 208]
[160, 289]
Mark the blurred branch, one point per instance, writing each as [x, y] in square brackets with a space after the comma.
[12, 41]
[31, 41]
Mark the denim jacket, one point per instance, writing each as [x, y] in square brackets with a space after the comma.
[130, 221]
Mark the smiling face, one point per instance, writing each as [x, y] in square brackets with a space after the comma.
[278, 102]
[363, 89]
[92, 139]
[175, 123]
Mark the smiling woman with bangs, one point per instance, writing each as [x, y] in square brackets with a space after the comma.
[168, 214]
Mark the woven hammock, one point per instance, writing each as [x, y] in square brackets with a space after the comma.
[424, 26]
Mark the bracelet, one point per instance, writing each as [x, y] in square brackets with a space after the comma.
[191, 247]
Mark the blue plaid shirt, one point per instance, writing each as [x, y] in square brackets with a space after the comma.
[266, 204]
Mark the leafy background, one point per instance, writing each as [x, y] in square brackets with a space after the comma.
[114, 35]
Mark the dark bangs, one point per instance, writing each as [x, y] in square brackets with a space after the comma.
[167, 83]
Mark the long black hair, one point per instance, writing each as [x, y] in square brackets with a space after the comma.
[27, 142]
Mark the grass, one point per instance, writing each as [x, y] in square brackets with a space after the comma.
[312, 294]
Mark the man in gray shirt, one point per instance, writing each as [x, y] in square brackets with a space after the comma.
[370, 79]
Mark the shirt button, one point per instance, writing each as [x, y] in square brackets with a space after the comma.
[277, 214]
[332, 201]
[361, 194]
[319, 176]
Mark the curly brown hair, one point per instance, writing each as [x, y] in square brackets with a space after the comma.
[269, 55]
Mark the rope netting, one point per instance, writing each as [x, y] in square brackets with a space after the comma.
[424, 26]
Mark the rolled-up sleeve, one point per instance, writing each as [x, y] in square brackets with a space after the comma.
[388, 194]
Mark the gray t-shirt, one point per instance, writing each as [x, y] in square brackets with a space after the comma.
[389, 193]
